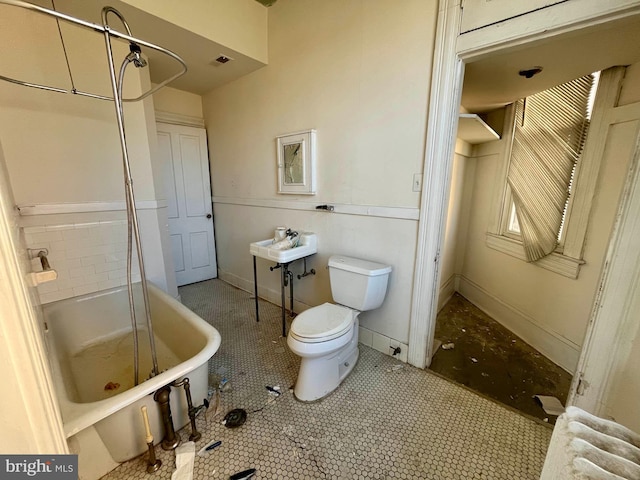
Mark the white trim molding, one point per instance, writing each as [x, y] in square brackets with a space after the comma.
[541, 24]
[444, 106]
[401, 213]
[613, 321]
[447, 290]
[556, 348]
[30, 412]
[57, 208]
[555, 262]
[179, 119]
[588, 168]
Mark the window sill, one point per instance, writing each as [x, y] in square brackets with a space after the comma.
[557, 263]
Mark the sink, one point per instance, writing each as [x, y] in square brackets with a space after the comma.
[308, 245]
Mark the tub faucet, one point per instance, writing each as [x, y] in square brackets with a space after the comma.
[171, 440]
[193, 411]
[47, 274]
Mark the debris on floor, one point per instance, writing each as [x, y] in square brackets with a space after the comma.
[366, 428]
[275, 390]
[550, 405]
[213, 410]
[235, 418]
[225, 385]
[213, 444]
[185, 459]
[395, 368]
[474, 360]
[244, 475]
[448, 346]
[512, 364]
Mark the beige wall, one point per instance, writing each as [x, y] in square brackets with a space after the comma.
[172, 100]
[357, 72]
[455, 234]
[548, 310]
[64, 149]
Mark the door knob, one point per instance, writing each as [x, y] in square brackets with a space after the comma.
[208, 215]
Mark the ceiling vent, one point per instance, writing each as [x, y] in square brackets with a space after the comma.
[221, 60]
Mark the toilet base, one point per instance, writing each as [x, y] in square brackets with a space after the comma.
[318, 377]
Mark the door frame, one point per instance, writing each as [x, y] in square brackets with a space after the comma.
[450, 55]
[611, 322]
[33, 402]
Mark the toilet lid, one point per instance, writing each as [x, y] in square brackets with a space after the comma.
[322, 323]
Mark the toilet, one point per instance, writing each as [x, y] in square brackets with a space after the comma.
[326, 336]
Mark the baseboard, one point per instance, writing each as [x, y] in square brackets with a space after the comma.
[367, 337]
[383, 344]
[270, 295]
[447, 289]
[556, 348]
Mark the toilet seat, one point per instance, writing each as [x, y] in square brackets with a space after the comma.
[322, 323]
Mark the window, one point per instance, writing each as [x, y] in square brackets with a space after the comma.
[556, 161]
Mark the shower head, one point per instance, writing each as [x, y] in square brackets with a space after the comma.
[135, 55]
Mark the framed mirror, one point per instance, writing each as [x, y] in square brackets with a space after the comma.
[296, 163]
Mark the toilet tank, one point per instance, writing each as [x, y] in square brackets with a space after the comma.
[358, 284]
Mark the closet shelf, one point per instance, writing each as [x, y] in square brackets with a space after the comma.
[474, 130]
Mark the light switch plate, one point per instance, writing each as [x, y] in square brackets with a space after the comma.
[417, 182]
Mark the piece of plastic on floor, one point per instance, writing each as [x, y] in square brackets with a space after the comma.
[185, 458]
[550, 405]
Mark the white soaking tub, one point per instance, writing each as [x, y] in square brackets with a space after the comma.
[91, 352]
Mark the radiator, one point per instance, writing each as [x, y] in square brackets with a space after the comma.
[584, 446]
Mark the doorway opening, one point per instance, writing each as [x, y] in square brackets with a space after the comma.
[530, 317]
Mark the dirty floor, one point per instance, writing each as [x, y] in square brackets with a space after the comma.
[491, 360]
[382, 422]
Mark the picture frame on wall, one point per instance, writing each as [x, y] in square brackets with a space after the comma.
[297, 163]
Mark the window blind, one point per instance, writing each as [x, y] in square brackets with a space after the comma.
[550, 130]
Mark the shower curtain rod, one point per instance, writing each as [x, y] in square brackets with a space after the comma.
[105, 28]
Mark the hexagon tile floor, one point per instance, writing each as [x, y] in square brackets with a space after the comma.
[382, 422]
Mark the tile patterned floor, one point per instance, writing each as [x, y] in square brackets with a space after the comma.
[381, 423]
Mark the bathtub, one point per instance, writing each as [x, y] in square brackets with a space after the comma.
[91, 355]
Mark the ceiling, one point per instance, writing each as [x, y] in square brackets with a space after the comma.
[493, 82]
[490, 82]
[199, 53]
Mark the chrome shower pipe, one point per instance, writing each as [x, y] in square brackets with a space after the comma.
[117, 99]
[107, 30]
[132, 215]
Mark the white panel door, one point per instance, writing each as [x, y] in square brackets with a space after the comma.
[183, 152]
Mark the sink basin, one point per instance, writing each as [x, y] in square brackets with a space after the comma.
[308, 246]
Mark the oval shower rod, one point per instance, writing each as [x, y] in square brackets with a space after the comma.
[105, 28]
